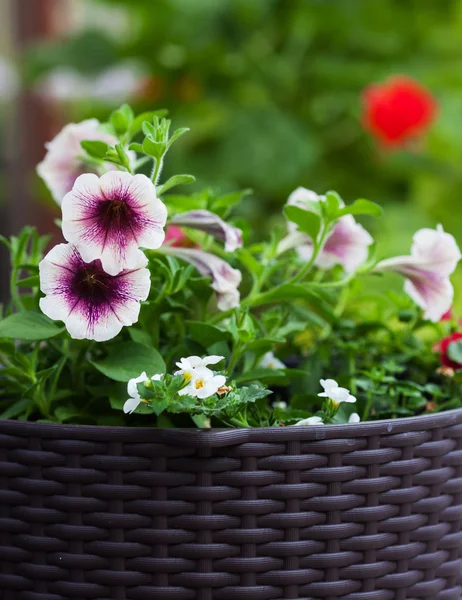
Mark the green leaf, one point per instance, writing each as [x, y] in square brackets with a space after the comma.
[178, 133]
[361, 207]
[121, 119]
[16, 409]
[308, 222]
[294, 291]
[95, 149]
[332, 205]
[229, 200]
[140, 336]
[277, 376]
[128, 360]
[136, 147]
[174, 181]
[206, 335]
[155, 149]
[33, 281]
[28, 326]
[146, 116]
[455, 351]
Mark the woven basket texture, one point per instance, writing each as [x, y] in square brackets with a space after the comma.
[350, 512]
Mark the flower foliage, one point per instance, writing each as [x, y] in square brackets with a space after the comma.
[161, 309]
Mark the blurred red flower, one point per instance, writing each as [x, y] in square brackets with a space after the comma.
[444, 346]
[397, 110]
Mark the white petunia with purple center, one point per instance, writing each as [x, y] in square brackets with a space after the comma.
[92, 304]
[110, 217]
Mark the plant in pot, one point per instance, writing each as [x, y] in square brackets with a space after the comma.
[187, 413]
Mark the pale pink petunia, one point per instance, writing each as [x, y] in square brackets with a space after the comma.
[347, 244]
[225, 279]
[207, 221]
[434, 257]
[110, 217]
[92, 304]
[63, 161]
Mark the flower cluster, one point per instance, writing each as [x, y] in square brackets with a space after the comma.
[197, 381]
[152, 276]
[96, 282]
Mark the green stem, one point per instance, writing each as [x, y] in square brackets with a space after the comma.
[368, 406]
[15, 296]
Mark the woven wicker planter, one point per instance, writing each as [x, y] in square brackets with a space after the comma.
[351, 512]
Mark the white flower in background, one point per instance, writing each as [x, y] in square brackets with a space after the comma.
[334, 392]
[114, 85]
[280, 404]
[9, 80]
[135, 399]
[207, 221]
[354, 418]
[434, 256]
[63, 164]
[269, 361]
[194, 366]
[310, 421]
[64, 84]
[225, 279]
[119, 83]
[110, 217]
[347, 244]
[91, 303]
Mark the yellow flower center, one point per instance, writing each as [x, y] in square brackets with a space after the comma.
[199, 384]
[187, 376]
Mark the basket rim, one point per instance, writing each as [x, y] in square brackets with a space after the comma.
[224, 437]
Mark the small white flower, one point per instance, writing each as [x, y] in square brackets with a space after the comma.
[203, 385]
[135, 399]
[269, 361]
[193, 366]
[280, 404]
[334, 392]
[354, 418]
[310, 421]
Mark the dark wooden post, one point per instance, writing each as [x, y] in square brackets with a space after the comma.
[28, 126]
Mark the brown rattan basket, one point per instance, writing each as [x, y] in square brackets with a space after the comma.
[350, 512]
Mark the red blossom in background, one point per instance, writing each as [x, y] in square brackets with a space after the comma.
[397, 110]
[444, 351]
[177, 238]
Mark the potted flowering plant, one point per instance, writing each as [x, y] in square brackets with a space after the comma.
[154, 365]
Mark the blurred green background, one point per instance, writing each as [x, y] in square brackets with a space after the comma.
[271, 90]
